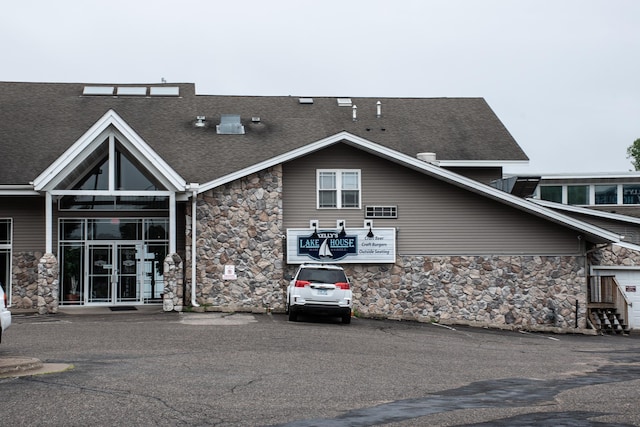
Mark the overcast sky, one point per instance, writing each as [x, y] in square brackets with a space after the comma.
[562, 75]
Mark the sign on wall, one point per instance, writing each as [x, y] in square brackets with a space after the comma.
[354, 245]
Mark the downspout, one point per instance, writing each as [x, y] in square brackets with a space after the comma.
[194, 196]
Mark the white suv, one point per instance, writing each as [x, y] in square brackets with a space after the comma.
[320, 289]
[5, 315]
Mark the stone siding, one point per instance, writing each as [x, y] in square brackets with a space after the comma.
[34, 282]
[239, 224]
[513, 292]
[172, 295]
[24, 279]
[614, 255]
[48, 284]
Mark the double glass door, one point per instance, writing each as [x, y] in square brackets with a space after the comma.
[113, 272]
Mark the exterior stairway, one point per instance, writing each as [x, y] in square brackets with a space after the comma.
[608, 308]
[608, 321]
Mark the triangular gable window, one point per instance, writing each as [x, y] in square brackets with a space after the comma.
[127, 176]
[110, 178]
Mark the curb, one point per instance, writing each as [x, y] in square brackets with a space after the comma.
[10, 365]
[24, 366]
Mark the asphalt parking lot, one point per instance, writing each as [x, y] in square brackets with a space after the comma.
[153, 368]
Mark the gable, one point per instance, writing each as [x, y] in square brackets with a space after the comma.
[433, 216]
[112, 143]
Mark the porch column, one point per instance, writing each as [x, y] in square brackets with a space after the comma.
[48, 226]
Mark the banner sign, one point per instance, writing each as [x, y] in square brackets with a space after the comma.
[354, 245]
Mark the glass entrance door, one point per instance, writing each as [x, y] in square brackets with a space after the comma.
[112, 273]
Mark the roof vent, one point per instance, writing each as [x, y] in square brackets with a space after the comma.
[428, 157]
[344, 102]
[305, 100]
[378, 109]
[200, 121]
[255, 119]
[230, 125]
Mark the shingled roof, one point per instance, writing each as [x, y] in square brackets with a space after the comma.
[39, 121]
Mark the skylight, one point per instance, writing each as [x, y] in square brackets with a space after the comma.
[344, 102]
[98, 90]
[132, 90]
[164, 91]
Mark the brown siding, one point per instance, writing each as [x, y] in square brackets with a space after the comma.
[28, 222]
[433, 217]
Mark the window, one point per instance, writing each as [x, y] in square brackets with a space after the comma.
[578, 194]
[606, 194]
[5, 256]
[551, 193]
[631, 194]
[381, 212]
[338, 189]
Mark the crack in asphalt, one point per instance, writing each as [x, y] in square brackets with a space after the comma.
[500, 393]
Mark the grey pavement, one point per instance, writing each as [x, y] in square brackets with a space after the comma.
[153, 368]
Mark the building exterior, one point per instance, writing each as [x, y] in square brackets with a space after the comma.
[142, 194]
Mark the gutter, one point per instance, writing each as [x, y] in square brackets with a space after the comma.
[194, 196]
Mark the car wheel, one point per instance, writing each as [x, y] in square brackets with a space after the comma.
[293, 316]
[346, 319]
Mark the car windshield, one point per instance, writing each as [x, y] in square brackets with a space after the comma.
[322, 276]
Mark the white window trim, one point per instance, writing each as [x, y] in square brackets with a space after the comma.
[338, 173]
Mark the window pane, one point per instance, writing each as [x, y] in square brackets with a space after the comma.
[134, 203]
[350, 199]
[130, 177]
[578, 194]
[327, 199]
[631, 194]
[157, 229]
[71, 229]
[5, 231]
[98, 203]
[552, 193]
[327, 181]
[97, 179]
[114, 229]
[606, 194]
[349, 180]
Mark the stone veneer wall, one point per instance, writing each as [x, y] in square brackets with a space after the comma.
[24, 279]
[614, 255]
[172, 295]
[34, 282]
[48, 284]
[513, 292]
[239, 224]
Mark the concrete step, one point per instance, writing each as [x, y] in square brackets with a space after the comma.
[11, 366]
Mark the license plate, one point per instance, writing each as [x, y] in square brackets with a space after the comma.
[322, 292]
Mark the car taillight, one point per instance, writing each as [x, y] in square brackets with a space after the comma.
[342, 285]
[302, 283]
[5, 300]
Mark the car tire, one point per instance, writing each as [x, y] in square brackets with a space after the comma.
[292, 316]
[346, 319]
